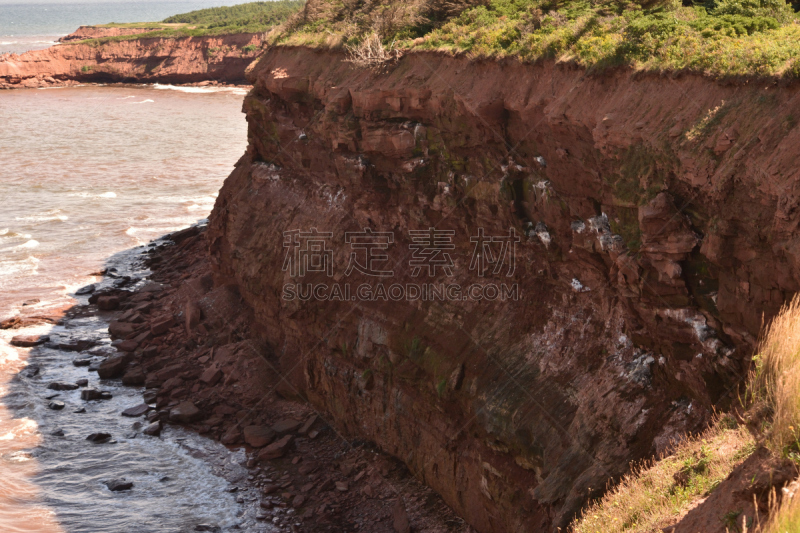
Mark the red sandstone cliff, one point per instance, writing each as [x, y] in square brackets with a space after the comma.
[658, 221]
[148, 60]
[98, 32]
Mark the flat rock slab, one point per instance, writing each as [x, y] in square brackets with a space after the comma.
[154, 429]
[116, 485]
[77, 345]
[135, 411]
[133, 377]
[29, 341]
[128, 346]
[276, 449]
[89, 289]
[62, 385]
[94, 394]
[99, 438]
[113, 367]
[185, 413]
[286, 426]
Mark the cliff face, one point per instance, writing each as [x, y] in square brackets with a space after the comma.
[658, 220]
[149, 60]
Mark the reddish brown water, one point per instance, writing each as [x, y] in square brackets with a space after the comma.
[86, 172]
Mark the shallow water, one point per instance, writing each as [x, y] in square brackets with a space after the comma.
[89, 171]
[55, 483]
[86, 173]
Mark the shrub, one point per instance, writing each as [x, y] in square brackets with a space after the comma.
[370, 52]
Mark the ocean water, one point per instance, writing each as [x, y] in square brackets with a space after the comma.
[87, 173]
[38, 24]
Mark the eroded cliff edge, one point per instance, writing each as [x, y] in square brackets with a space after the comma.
[659, 225]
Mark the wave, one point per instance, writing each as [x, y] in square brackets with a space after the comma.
[42, 218]
[90, 195]
[10, 268]
[148, 101]
[183, 89]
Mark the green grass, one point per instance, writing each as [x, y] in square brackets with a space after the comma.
[716, 37]
[254, 17]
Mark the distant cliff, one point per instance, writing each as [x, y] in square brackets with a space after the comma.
[221, 58]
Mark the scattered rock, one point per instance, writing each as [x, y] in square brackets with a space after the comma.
[128, 346]
[99, 438]
[108, 303]
[211, 376]
[83, 382]
[62, 385]
[57, 432]
[207, 527]
[29, 341]
[32, 301]
[56, 405]
[276, 449]
[193, 316]
[258, 436]
[116, 485]
[80, 410]
[113, 367]
[82, 362]
[307, 426]
[77, 345]
[90, 394]
[30, 371]
[400, 518]
[120, 330]
[153, 429]
[232, 436]
[149, 396]
[105, 395]
[162, 326]
[285, 426]
[185, 413]
[133, 376]
[342, 486]
[89, 289]
[138, 410]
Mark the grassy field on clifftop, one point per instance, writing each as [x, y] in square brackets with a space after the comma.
[716, 37]
[253, 17]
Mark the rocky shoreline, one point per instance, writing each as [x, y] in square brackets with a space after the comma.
[171, 334]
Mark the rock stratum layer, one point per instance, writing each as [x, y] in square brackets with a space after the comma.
[658, 221]
[145, 60]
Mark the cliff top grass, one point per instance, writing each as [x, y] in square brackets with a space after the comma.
[752, 38]
[253, 17]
